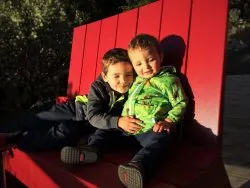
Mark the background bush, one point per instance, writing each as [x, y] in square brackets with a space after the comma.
[35, 43]
[35, 47]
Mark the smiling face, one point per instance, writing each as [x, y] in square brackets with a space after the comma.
[119, 76]
[146, 61]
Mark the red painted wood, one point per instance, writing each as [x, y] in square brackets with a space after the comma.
[76, 60]
[149, 19]
[46, 170]
[175, 24]
[126, 29]
[204, 68]
[206, 59]
[107, 39]
[61, 99]
[198, 157]
[90, 56]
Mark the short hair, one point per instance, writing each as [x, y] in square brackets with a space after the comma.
[114, 56]
[144, 41]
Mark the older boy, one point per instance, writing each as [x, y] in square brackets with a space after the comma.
[64, 124]
[106, 98]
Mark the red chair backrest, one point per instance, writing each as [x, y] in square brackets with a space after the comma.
[200, 25]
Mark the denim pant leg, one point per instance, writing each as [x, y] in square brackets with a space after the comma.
[27, 121]
[50, 129]
[154, 148]
[44, 120]
[105, 140]
[27, 130]
[58, 136]
[59, 112]
[53, 128]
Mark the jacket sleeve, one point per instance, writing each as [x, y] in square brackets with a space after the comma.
[97, 109]
[178, 100]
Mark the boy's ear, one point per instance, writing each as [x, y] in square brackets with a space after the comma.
[104, 77]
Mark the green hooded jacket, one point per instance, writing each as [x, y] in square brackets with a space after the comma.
[155, 99]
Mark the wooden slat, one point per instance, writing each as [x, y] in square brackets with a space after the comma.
[206, 59]
[107, 39]
[76, 60]
[174, 30]
[149, 19]
[90, 56]
[126, 30]
[46, 170]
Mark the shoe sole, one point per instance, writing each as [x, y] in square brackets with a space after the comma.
[133, 177]
[75, 156]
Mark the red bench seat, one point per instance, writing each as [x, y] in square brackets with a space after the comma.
[196, 160]
[187, 166]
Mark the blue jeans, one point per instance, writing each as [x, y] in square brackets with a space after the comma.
[49, 129]
[154, 146]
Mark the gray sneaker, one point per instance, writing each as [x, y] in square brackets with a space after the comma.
[131, 175]
[75, 156]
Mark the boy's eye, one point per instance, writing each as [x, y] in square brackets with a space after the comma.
[151, 59]
[128, 75]
[115, 76]
[138, 64]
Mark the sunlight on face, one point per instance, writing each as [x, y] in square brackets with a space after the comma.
[119, 76]
[146, 62]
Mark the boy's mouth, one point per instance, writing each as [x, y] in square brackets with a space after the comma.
[124, 87]
[148, 72]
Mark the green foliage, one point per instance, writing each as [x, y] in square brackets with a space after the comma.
[239, 16]
[238, 25]
[35, 43]
[135, 4]
[35, 47]
[100, 8]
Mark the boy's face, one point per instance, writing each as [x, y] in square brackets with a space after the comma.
[119, 76]
[146, 62]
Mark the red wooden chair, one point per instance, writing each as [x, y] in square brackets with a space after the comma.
[193, 35]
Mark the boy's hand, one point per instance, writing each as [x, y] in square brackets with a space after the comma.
[129, 124]
[162, 125]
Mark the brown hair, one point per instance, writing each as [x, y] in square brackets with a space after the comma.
[114, 56]
[144, 41]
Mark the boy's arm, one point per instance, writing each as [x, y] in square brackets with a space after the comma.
[97, 110]
[178, 100]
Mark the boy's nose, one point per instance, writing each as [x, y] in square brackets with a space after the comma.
[146, 66]
[123, 79]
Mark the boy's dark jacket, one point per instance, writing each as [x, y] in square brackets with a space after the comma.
[104, 106]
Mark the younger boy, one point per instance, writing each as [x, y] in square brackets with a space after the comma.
[157, 101]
